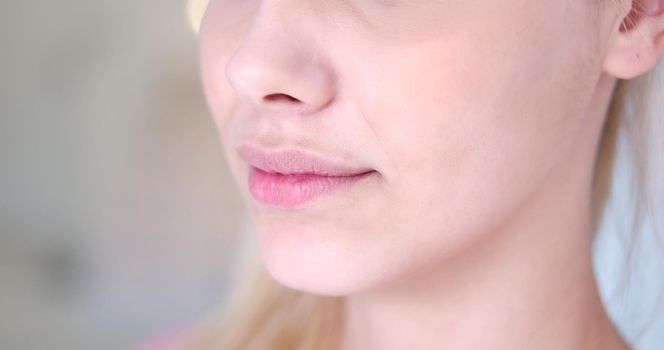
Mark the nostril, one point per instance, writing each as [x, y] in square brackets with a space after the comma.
[277, 97]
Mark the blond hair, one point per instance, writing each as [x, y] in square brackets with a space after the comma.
[261, 314]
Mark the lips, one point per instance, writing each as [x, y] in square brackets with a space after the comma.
[296, 162]
[293, 178]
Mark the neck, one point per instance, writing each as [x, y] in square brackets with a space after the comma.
[530, 285]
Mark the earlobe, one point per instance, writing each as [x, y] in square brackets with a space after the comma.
[639, 43]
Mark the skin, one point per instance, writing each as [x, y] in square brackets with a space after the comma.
[482, 119]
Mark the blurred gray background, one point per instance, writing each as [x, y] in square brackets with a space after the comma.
[117, 213]
[116, 209]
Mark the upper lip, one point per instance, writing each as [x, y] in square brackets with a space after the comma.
[294, 161]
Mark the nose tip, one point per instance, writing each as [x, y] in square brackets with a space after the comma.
[280, 72]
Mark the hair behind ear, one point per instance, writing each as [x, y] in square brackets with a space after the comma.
[195, 11]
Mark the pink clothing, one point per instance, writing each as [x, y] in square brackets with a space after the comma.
[163, 341]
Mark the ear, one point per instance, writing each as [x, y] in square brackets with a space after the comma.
[638, 44]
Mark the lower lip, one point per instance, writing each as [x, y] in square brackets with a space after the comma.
[296, 191]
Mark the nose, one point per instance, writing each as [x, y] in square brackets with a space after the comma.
[277, 67]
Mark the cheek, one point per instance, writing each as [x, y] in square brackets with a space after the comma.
[219, 37]
[470, 132]
[218, 40]
[218, 93]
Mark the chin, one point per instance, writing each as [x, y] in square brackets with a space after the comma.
[305, 260]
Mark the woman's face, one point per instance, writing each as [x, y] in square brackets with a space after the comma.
[463, 107]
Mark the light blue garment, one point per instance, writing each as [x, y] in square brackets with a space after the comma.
[632, 289]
